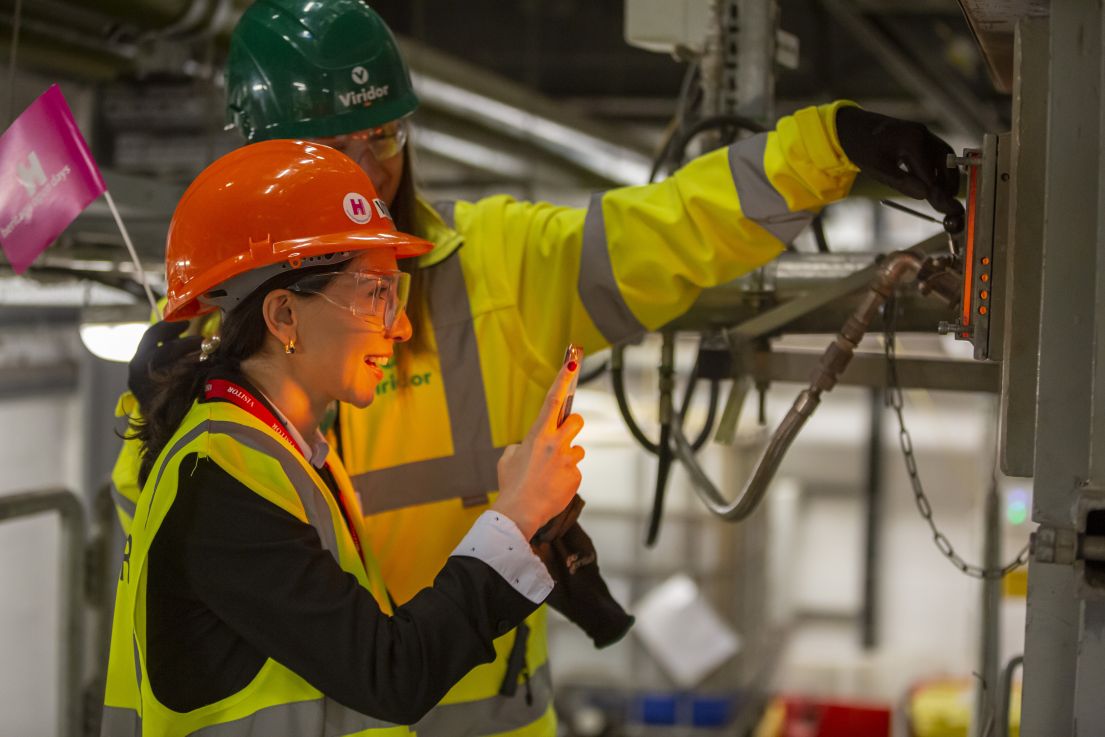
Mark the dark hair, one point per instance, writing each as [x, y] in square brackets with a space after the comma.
[403, 210]
[241, 335]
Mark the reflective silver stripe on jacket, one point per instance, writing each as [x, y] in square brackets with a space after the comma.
[472, 469]
[492, 715]
[322, 717]
[122, 502]
[119, 722]
[759, 200]
[598, 288]
[318, 513]
[313, 718]
[188, 437]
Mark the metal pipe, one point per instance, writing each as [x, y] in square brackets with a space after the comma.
[1092, 548]
[869, 625]
[986, 707]
[810, 293]
[900, 267]
[71, 619]
[1006, 695]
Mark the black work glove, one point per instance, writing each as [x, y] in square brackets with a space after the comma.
[580, 593]
[900, 154]
[161, 346]
[555, 528]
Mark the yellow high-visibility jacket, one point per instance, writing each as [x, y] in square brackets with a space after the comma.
[509, 285]
[277, 701]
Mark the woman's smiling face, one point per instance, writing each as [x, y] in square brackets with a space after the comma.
[339, 352]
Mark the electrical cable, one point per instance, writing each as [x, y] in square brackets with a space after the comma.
[593, 374]
[712, 404]
[677, 120]
[617, 379]
[663, 470]
[736, 122]
[818, 227]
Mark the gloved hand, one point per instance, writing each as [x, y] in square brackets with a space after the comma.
[555, 528]
[161, 346]
[881, 146]
[580, 593]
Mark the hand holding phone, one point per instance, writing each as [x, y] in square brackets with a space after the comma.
[555, 528]
[574, 353]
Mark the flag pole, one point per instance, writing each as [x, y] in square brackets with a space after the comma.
[10, 112]
[133, 254]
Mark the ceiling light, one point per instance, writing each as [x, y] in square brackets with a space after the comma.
[113, 333]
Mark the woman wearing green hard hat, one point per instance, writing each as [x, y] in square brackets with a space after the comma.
[509, 284]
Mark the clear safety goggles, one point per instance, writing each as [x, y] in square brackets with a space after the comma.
[382, 142]
[377, 298]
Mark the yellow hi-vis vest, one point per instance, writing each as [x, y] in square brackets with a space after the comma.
[277, 702]
[509, 285]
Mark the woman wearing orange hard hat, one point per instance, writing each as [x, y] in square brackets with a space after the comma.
[249, 601]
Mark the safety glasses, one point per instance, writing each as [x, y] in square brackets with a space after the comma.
[383, 142]
[377, 298]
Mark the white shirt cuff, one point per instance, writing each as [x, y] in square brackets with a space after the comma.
[497, 541]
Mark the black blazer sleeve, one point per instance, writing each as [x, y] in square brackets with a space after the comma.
[266, 576]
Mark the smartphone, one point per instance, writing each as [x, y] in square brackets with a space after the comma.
[574, 353]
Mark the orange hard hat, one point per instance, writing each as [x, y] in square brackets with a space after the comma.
[267, 208]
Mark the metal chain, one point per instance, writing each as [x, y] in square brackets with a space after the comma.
[924, 506]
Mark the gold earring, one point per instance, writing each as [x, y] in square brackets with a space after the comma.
[289, 347]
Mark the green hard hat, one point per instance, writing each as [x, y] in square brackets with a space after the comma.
[314, 68]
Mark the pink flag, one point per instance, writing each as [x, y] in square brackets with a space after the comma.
[47, 177]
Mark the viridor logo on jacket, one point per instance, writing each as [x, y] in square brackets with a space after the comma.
[366, 95]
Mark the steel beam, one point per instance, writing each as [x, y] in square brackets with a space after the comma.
[33, 381]
[808, 293]
[939, 103]
[1064, 646]
[869, 369]
[1024, 251]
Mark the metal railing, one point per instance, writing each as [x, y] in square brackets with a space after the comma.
[71, 614]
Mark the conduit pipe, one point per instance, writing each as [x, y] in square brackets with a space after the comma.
[899, 268]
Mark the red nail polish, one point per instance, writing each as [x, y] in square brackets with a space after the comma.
[572, 365]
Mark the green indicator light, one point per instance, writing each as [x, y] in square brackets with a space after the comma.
[1016, 512]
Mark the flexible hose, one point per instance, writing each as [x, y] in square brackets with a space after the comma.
[898, 268]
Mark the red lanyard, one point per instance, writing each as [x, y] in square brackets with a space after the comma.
[231, 392]
[236, 395]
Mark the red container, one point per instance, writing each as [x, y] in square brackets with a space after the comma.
[811, 718]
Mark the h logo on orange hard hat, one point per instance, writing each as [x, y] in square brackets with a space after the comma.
[356, 207]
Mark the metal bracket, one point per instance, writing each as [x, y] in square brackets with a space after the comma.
[1082, 546]
[1054, 545]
